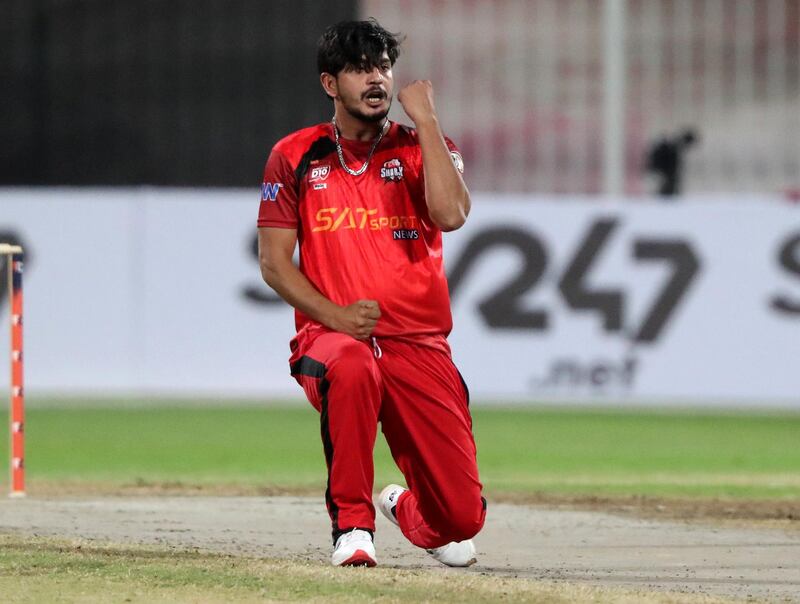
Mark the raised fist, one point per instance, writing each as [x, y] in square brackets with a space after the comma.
[417, 100]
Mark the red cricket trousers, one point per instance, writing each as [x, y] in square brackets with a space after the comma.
[412, 387]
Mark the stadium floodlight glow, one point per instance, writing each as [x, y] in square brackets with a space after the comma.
[14, 261]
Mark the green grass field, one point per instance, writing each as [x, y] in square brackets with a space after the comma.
[115, 445]
[520, 450]
[47, 570]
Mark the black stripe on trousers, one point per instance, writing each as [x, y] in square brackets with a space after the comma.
[463, 383]
[305, 365]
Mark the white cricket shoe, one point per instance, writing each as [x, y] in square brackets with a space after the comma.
[354, 548]
[455, 553]
[388, 499]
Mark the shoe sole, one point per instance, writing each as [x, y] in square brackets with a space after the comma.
[470, 562]
[359, 558]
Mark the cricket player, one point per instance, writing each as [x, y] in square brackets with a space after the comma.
[367, 200]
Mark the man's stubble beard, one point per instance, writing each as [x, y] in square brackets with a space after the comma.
[377, 117]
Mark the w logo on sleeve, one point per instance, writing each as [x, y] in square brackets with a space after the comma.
[269, 191]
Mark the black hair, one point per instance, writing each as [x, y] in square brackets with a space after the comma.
[359, 44]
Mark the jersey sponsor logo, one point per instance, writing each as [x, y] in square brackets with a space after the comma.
[320, 185]
[405, 234]
[269, 191]
[334, 219]
[458, 161]
[319, 173]
[392, 170]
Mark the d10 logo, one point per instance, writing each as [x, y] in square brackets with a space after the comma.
[319, 173]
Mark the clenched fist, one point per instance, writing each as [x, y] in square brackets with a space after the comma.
[417, 100]
[357, 319]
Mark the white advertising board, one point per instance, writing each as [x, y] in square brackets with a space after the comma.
[144, 291]
[554, 299]
[689, 301]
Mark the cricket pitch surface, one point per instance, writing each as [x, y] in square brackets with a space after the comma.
[590, 547]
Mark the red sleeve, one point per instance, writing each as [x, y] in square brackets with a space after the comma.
[279, 194]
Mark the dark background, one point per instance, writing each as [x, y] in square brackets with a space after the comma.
[162, 92]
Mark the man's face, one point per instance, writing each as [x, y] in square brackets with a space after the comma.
[366, 93]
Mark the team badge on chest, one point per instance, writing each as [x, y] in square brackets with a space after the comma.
[392, 170]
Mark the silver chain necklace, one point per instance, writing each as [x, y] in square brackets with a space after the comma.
[363, 168]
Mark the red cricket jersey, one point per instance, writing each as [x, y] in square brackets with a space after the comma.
[362, 237]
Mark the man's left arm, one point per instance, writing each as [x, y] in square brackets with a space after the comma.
[445, 192]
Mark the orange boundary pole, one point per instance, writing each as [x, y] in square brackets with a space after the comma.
[17, 411]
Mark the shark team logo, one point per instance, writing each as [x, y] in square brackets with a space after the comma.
[392, 170]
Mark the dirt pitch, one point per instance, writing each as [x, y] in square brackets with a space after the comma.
[534, 541]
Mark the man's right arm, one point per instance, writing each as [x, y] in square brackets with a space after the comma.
[275, 250]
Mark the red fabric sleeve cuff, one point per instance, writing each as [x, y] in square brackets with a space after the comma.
[281, 224]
